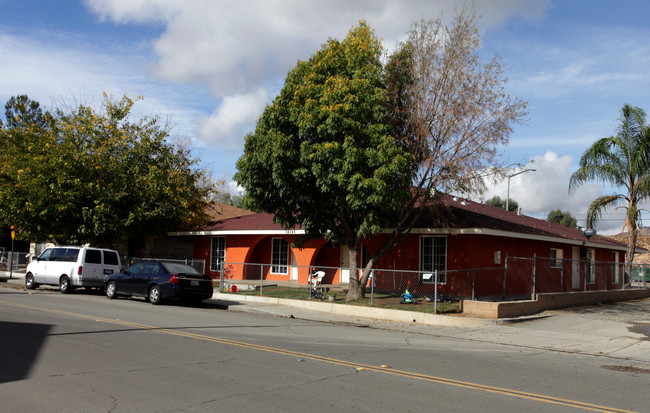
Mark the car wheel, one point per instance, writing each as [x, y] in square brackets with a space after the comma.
[154, 295]
[64, 285]
[111, 290]
[30, 284]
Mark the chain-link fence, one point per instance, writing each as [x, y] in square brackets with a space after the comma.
[529, 276]
[640, 276]
[519, 278]
[424, 285]
[14, 261]
[467, 283]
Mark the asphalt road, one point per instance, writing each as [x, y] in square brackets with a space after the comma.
[84, 353]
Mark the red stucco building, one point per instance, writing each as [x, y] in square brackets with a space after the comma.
[454, 238]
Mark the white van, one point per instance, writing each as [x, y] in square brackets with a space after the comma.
[70, 267]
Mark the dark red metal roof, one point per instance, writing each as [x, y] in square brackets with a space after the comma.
[448, 211]
[253, 222]
[458, 212]
[218, 211]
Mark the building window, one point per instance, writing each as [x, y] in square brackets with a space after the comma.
[280, 257]
[433, 257]
[616, 268]
[217, 253]
[556, 257]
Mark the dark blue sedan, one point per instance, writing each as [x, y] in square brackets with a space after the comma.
[157, 281]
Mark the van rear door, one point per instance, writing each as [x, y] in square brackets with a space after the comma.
[111, 262]
[91, 268]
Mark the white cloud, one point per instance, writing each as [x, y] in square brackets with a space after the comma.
[598, 60]
[547, 188]
[236, 48]
[234, 188]
[579, 76]
[58, 69]
[230, 122]
[128, 11]
[35, 67]
[240, 52]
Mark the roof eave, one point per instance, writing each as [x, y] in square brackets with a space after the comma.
[519, 235]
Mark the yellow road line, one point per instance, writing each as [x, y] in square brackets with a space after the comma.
[384, 370]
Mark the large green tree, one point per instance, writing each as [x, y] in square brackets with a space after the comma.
[350, 148]
[560, 217]
[496, 201]
[322, 154]
[622, 161]
[81, 176]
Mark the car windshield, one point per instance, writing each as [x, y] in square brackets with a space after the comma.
[174, 268]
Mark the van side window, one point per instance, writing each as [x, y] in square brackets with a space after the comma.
[45, 256]
[58, 254]
[93, 257]
[71, 255]
[110, 258]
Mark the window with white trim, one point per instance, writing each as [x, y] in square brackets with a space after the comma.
[217, 253]
[557, 255]
[433, 257]
[279, 256]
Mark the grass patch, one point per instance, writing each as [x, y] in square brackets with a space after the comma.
[380, 300]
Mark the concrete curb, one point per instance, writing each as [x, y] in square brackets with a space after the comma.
[411, 317]
[16, 278]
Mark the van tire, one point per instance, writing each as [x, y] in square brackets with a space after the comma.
[30, 284]
[111, 290]
[154, 295]
[64, 285]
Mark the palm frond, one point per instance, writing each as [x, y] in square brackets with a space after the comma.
[599, 205]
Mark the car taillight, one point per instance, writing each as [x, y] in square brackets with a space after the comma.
[174, 279]
[79, 270]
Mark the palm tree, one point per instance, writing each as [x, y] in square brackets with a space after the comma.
[624, 162]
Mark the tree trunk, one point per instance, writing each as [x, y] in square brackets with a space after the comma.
[356, 289]
[629, 255]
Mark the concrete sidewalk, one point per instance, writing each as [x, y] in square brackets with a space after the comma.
[13, 276]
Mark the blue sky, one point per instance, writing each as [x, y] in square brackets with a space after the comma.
[211, 66]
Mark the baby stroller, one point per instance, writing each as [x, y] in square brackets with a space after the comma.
[315, 289]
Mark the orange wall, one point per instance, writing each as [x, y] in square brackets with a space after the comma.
[256, 249]
[465, 251]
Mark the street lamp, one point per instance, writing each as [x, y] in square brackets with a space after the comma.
[510, 176]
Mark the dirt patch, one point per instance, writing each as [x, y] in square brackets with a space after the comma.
[627, 369]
